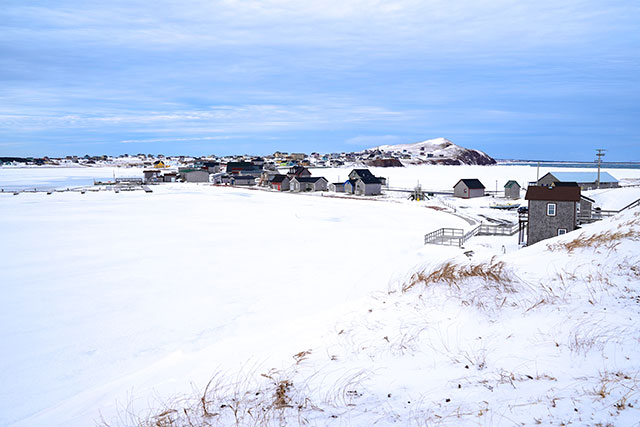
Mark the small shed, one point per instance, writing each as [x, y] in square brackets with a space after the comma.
[512, 190]
[468, 188]
[169, 177]
[337, 187]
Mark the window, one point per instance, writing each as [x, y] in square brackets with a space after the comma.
[551, 209]
[562, 231]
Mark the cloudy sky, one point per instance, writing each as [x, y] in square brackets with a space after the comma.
[542, 79]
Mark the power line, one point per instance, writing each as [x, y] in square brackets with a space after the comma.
[599, 155]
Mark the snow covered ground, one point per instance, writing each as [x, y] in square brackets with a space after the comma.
[121, 304]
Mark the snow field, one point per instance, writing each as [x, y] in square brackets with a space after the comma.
[125, 305]
[101, 286]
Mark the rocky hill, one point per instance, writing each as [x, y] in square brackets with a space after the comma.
[433, 151]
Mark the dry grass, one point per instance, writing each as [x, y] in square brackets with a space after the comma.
[607, 239]
[453, 274]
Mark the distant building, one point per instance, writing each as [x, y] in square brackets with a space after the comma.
[169, 177]
[468, 188]
[298, 172]
[552, 211]
[151, 175]
[243, 168]
[159, 164]
[243, 180]
[337, 187]
[299, 184]
[280, 182]
[211, 167]
[512, 190]
[194, 175]
[586, 180]
[363, 183]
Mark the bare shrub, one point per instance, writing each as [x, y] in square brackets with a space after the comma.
[453, 274]
[606, 239]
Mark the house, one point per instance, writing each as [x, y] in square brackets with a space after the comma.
[512, 190]
[211, 167]
[194, 175]
[337, 187]
[244, 180]
[350, 186]
[280, 182]
[159, 164]
[363, 183]
[468, 188]
[586, 180]
[552, 211]
[244, 168]
[299, 172]
[299, 184]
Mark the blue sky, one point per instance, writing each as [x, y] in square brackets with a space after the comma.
[515, 78]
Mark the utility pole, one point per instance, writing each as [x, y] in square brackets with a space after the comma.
[599, 155]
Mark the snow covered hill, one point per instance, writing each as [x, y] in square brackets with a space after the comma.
[437, 151]
[546, 335]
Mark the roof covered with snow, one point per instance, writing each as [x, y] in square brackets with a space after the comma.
[583, 176]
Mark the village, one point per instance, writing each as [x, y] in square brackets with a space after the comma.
[554, 204]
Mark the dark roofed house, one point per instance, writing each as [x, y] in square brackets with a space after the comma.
[512, 190]
[243, 168]
[468, 188]
[243, 180]
[337, 187]
[212, 167]
[552, 211]
[298, 171]
[363, 183]
[280, 182]
[318, 183]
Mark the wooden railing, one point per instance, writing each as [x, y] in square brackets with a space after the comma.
[457, 236]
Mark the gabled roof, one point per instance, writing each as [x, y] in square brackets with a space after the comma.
[370, 180]
[362, 173]
[554, 194]
[511, 183]
[472, 183]
[279, 178]
[297, 169]
[312, 179]
[583, 176]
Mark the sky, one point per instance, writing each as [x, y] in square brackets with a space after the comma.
[518, 79]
